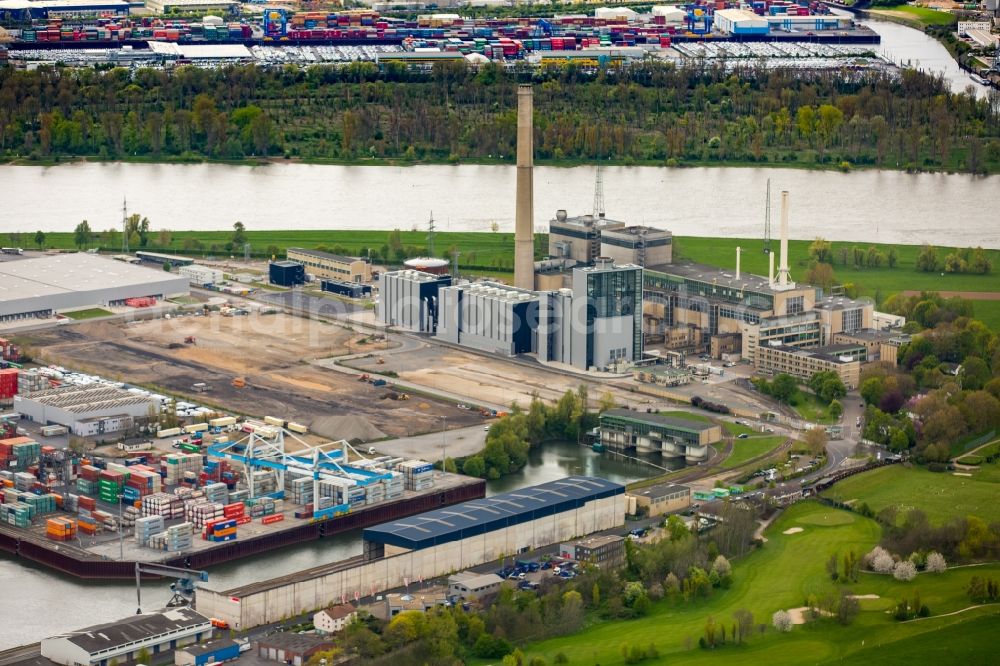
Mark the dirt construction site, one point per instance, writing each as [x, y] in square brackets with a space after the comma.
[270, 353]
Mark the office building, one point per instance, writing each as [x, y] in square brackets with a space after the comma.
[409, 299]
[469, 586]
[598, 323]
[604, 552]
[331, 266]
[662, 498]
[488, 316]
[804, 363]
[881, 346]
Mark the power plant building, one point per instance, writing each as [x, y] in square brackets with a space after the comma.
[332, 266]
[488, 316]
[598, 323]
[578, 238]
[673, 437]
[409, 299]
[642, 246]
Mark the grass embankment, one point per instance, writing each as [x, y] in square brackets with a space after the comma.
[781, 575]
[940, 495]
[91, 313]
[813, 409]
[915, 17]
[687, 416]
[747, 449]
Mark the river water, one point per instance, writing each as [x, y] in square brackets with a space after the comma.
[47, 603]
[882, 206]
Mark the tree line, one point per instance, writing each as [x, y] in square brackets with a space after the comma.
[652, 112]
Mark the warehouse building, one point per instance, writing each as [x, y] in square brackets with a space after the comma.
[622, 429]
[804, 363]
[429, 545]
[216, 6]
[39, 288]
[286, 647]
[332, 266]
[662, 498]
[605, 551]
[121, 641]
[286, 273]
[207, 653]
[488, 316]
[86, 410]
[159, 258]
[23, 10]
[598, 323]
[409, 299]
[349, 289]
[642, 246]
[202, 276]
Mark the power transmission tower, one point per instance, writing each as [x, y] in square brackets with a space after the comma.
[430, 235]
[599, 193]
[767, 220]
[124, 226]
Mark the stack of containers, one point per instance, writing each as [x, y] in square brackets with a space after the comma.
[60, 529]
[23, 481]
[110, 485]
[39, 504]
[176, 464]
[158, 504]
[8, 383]
[216, 493]
[16, 514]
[394, 486]
[146, 527]
[174, 539]
[32, 380]
[239, 495]
[70, 502]
[200, 514]
[264, 506]
[265, 482]
[220, 530]
[300, 489]
[356, 496]
[87, 482]
[375, 493]
[129, 516]
[417, 474]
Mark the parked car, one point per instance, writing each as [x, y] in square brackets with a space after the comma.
[742, 435]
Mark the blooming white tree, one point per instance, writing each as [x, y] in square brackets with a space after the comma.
[721, 566]
[905, 571]
[936, 563]
[782, 621]
[879, 560]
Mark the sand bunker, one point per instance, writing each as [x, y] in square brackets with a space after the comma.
[792, 530]
[799, 615]
[864, 596]
[960, 474]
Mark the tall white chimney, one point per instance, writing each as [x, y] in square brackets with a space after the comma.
[770, 269]
[524, 243]
[739, 250]
[783, 278]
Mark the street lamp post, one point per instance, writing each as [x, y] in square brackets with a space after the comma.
[444, 443]
[121, 531]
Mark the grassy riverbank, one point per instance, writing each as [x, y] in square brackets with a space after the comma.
[915, 17]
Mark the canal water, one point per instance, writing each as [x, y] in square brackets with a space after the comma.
[41, 603]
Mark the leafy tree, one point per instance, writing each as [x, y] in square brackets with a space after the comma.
[821, 251]
[848, 607]
[904, 571]
[474, 466]
[815, 440]
[927, 259]
[827, 385]
[239, 236]
[82, 234]
[936, 563]
[782, 621]
[39, 239]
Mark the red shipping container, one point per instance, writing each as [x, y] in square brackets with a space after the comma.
[273, 518]
[8, 383]
[88, 503]
[243, 520]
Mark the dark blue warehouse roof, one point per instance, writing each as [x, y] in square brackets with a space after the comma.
[493, 513]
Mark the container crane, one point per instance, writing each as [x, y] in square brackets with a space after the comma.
[183, 588]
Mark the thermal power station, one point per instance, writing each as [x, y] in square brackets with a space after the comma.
[524, 220]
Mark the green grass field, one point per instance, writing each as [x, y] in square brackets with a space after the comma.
[812, 409]
[90, 313]
[921, 15]
[745, 449]
[989, 313]
[734, 429]
[940, 495]
[763, 584]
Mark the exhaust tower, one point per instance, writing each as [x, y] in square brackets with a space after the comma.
[524, 241]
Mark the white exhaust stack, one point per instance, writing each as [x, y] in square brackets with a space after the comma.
[770, 269]
[783, 278]
[739, 250]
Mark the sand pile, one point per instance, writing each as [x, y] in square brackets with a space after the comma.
[352, 428]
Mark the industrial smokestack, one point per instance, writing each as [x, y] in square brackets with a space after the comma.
[738, 251]
[783, 280]
[524, 243]
[770, 268]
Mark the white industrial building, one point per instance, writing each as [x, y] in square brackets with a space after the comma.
[121, 641]
[409, 299]
[468, 586]
[86, 410]
[488, 316]
[41, 287]
[202, 276]
[431, 544]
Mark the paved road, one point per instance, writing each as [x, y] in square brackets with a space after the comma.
[457, 443]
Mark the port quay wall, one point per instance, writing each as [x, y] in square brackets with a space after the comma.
[313, 589]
